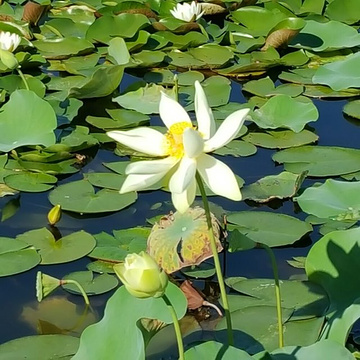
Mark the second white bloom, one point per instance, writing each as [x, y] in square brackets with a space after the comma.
[184, 150]
[187, 12]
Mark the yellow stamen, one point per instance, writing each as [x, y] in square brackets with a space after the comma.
[174, 139]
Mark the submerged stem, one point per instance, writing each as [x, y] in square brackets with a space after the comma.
[83, 293]
[176, 327]
[219, 274]
[277, 293]
[23, 78]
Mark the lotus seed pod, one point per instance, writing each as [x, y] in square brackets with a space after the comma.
[182, 239]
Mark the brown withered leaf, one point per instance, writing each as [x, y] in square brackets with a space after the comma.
[33, 12]
[194, 299]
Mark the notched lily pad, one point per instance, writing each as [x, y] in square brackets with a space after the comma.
[79, 196]
[30, 182]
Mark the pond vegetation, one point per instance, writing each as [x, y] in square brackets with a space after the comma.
[86, 89]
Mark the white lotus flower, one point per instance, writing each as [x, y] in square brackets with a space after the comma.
[187, 12]
[9, 41]
[183, 150]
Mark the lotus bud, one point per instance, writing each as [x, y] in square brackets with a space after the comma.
[142, 276]
[45, 284]
[54, 215]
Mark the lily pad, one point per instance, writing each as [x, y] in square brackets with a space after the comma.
[105, 180]
[352, 108]
[66, 249]
[346, 11]
[283, 111]
[237, 148]
[26, 119]
[16, 257]
[40, 347]
[280, 139]
[268, 228]
[334, 199]
[279, 186]
[319, 160]
[79, 196]
[92, 285]
[31, 182]
[340, 74]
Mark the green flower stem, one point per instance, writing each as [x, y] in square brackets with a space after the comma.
[23, 78]
[219, 274]
[83, 293]
[277, 293]
[176, 327]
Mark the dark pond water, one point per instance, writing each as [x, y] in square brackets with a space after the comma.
[19, 308]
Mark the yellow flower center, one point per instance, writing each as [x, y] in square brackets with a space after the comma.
[174, 139]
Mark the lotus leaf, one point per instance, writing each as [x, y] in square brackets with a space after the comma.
[237, 148]
[30, 182]
[122, 312]
[352, 109]
[26, 119]
[346, 11]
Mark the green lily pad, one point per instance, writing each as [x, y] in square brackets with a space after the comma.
[123, 25]
[283, 111]
[64, 47]
[341, 74]
[16, 257]
[266, 88]
[307, 299]
[321, 91]
[101, 267]
[299, 76]
[204, 270]
[237, 148]
[280, 139]
[352, 108]
[26, 119]
[118, 51]
[116, 248]
[79, 196]
[68, 248]
[333, 199]
[319, 160]
[31, 182]
[52, 347]
[264, 329]
[213, 55]
[105, 180]
[92, 285]
[346, 11]
[268, 228]
[279, 186]
[326, 36]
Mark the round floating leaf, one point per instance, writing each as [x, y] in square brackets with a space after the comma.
[14, 258]
[269, 228]
[213, 55]
[306, 298]
[265, 88]
[352, 108]
[79, 196]
[26, 119]
[237, 148]
[327, 36]
[254, 336]
[122, 313]
[340, 74]
[339, 200]
[63, 47]
[118, 51]
[31, 182]
[204, 270]
[92, 285]
[68, 248]
[280, 139]
[325, 349]
[40, 347]
[283, 111]
[105, 180]
[347, 11]
[319, 160]
[212, 350]
[278, 186]
[321, 91]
